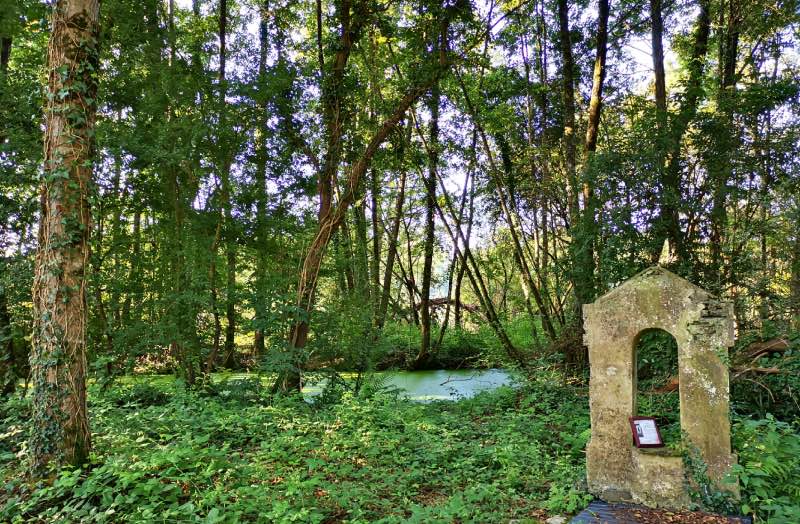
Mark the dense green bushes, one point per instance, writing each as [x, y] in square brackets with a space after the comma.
[460, 348]
[769, 469]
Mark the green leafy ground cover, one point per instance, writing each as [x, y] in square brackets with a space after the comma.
[232, 453]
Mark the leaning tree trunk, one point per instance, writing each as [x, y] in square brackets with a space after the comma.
[328, 224]
[60, 424]
[331, 217]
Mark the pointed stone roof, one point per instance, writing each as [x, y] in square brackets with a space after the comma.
[652, 273]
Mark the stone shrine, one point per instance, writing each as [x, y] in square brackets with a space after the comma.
[703, 328]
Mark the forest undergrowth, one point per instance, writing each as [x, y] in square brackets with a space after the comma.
[231, 452]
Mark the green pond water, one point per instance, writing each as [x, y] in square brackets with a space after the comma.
[439, 384]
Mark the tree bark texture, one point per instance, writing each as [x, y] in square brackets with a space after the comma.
[667, 225]
[60, 434]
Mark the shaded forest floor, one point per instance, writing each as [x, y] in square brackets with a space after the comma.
[232, 453]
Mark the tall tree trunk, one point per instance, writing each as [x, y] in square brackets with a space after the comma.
[60, 434]
[328, 225]
[216, 336]
[375, 260]
[262, 155]
[182, 310]
[542, 143]
[462, 266]
[408, 277]
[391, 255]
[721, 167]
[573, 192]
[134, 285]
[104, 338]
[598, 82]
[656, 36]
[767, 179]
[5, 54]
[568, 100]
[585, 237]
[224, 165]
[8, 375]
[5, 58]
[671, 200]
[430, 201]
[230, 300]
[584, 231]
[668, 225]
[794, 284]
[361, 260]
[345, 257]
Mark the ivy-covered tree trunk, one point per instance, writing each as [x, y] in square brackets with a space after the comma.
[60, 424]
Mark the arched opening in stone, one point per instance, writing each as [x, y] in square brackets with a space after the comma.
[656, 381]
